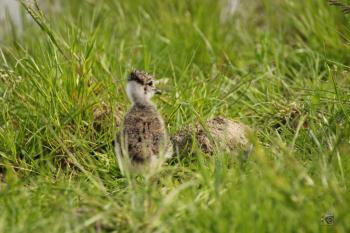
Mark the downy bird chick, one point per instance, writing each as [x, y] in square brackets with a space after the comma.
[143, 140]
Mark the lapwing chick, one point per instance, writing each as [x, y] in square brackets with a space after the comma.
[142, 143]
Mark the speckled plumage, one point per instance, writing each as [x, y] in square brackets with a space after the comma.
[145, 133]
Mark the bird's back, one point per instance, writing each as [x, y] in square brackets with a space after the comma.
[144, 133]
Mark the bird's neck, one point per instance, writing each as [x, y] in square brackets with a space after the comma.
[137, 100]
[143, 103]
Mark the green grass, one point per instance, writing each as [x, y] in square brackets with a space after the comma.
[281, 67]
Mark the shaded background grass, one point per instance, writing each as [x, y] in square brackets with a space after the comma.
[282, 67]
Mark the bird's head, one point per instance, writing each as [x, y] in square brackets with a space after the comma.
[141, 87]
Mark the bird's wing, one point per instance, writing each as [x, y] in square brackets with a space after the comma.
[136, 133]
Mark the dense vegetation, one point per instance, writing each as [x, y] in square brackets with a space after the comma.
[281, 67]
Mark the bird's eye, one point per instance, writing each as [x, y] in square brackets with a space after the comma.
[150, 83]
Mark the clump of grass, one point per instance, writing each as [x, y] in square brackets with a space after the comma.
[345, 8]
[273, 63]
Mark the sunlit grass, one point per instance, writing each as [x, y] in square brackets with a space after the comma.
[281, 67]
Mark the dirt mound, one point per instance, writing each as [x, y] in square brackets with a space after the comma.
[103, 114]
[219, 132]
